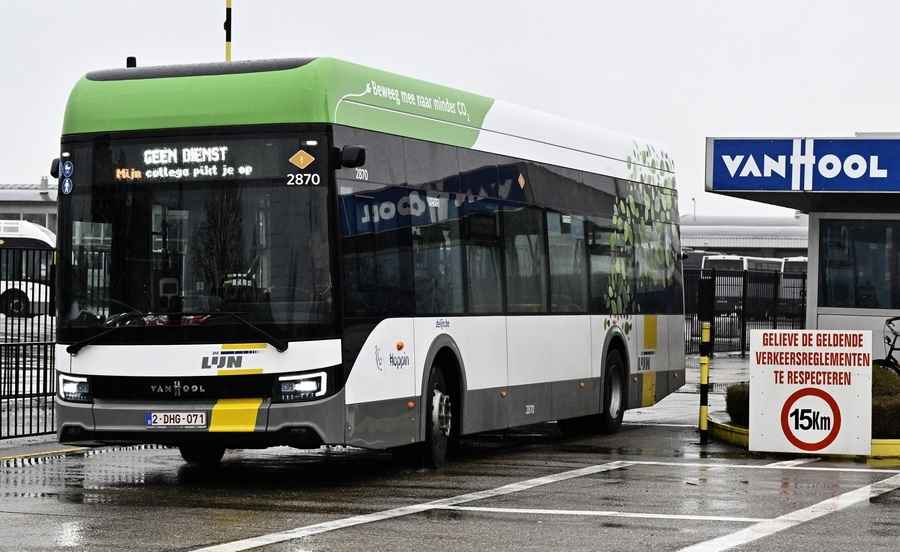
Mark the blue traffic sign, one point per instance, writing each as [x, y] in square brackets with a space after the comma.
[67, 186]
[68, 169]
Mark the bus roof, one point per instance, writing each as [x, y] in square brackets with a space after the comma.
[22, 231]
[327, 90]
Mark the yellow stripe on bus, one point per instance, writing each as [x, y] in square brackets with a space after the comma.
[649, 332]
[648, 389]
[234, 415]
[239, 372]
[242, 346]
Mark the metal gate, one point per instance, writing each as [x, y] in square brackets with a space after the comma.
[27, 341]
[743, 301]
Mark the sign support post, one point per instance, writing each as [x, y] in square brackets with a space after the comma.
[705, 346]
[227, 30]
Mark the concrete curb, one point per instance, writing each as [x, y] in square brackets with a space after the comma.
[728, 433]
[740, 437]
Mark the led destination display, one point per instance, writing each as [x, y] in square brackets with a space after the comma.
[204, 159]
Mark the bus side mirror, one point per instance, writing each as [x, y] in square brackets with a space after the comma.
[353, 156]
[54, 168]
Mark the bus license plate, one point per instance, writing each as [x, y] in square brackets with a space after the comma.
[176, 419]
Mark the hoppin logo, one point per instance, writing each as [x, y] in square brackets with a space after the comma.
[397, 360]
[803, 164]
[223, 360]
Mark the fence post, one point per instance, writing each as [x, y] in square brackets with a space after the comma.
[744, 314]
[705, 347]
[775, 294]
[706, 309]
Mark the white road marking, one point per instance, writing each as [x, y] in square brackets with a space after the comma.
[299, 532]
[792, 519]
[602, 513]
[777, 466]
[792, 463]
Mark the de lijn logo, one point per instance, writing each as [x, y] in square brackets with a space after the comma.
[804, 164]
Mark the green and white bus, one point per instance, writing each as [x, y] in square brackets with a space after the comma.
[308, 251]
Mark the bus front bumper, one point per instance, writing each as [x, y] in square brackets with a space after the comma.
[234, 423]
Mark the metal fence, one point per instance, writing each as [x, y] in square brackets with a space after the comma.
[27, 341]
[741, 301]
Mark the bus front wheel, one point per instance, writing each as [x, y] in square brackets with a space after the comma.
[202, 455]
[614, 396]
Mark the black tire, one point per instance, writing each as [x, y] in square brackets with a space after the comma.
[615, 395]
[15, 303]
[202, 455]
[439, 420]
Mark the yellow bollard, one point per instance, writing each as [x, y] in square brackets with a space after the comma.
[705, 351]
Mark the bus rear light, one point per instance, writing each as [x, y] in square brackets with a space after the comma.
[74, 389]
[302, 387]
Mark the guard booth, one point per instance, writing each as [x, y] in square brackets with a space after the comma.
[850, 187]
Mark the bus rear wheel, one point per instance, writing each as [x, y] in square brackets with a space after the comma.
[615, 394]
[202, 455]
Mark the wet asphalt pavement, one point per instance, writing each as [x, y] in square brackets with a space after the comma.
[649, 487]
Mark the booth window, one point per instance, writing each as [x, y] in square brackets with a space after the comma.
[858, 264]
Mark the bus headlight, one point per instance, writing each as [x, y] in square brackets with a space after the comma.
[74, 389]
[302, 387]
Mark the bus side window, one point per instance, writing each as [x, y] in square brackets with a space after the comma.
[438, 257]
[526, 261]
[599, 235]
[568, 265]
[480, 182]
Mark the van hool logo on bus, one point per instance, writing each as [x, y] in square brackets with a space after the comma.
[223, 360]
[176, 389]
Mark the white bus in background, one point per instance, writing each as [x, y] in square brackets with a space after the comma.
[729, 291]
[741, 262]
[26, 254]
[794, 265]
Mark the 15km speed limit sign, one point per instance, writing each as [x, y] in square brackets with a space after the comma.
[811, 391]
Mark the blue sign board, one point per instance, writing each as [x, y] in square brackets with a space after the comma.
[802, 165]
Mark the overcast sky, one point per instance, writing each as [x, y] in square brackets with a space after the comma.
[669, 71]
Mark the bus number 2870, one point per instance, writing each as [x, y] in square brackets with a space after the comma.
[300, 179]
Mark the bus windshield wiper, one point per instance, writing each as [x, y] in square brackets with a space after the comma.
[119, 321]
[281, 345]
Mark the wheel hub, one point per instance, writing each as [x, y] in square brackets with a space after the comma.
[441, 413]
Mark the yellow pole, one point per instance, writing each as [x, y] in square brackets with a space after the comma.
[228, 30]
[705, 351]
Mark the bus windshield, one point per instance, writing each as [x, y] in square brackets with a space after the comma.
[724, 264]
[160, 235]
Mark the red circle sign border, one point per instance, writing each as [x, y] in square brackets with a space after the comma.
[785, 410]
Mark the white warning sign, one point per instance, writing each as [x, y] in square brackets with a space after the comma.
[811, 391]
